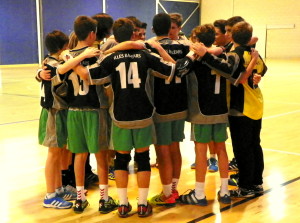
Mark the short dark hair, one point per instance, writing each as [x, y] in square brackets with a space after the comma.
[233, 20]
[161, 24]
[136, 22]
[176, 18]
[104, 25]
[55, 41]
[220, 24]
[206, 34]
[123, 29]
[144, 25]
[83, 25]
[242, 33]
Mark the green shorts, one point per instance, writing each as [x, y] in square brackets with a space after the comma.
[53, 128]
[127, 139]
[206, 133]
[168, 132]
[83, 131]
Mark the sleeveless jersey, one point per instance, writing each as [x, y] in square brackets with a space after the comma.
[128, 70]
[207, 96]
[80, 93]
[170, 98]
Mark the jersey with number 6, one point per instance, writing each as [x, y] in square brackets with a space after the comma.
[129, 72]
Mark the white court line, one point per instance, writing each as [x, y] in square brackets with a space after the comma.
[287, 113]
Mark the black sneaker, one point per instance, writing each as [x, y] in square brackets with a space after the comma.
[124, 210]
[80, 206]
[234, 180]
[107, 206]
[258, 189]
[144, 210]
[232, 166]
[242, 192]
[90, 178]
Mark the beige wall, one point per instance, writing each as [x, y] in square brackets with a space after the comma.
[276, 23]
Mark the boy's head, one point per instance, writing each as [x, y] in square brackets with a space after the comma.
[142, 33]
[104, 25]
[176, 22]
[123, 29]
[205, 34]
[84, 26]
[242, 33]
[161, 24]
[137, 26]
[231, 22]
[56, 41]
[221, 37]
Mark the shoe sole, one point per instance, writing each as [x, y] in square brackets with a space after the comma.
[52, 206]
[212, 171]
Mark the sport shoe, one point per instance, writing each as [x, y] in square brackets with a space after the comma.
[144, 210]
[175, 194]
[193, 166]
[68, 195]
[80, 206]
[258, 189]
[234, 180]
[190, 198]
[212, 165]
[162, 200]
[225, 199]
[57, 202]
[73, 189]
[107, 206]
[232, 166]
[111, 173]
[90, 178]
[123, 210]
[242, 192]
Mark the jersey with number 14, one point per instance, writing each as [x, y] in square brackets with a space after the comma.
[128, 70]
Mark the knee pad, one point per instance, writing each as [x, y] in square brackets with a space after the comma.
[122, 161]
[143, 161]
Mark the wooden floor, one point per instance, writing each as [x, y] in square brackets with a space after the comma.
[22, 160]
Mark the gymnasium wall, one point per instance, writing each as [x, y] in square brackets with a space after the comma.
[275, 22]
[18, 27]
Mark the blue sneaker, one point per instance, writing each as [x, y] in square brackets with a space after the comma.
[68, 195]
[190, 198]
[212, 165]
[57, 202]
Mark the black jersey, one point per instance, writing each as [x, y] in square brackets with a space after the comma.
[128, 70]
[247, 98]
[80, 93]
[207, 96]
[170, 98]
[47, 99]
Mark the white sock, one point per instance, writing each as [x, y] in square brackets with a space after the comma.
[50, 195]
[143, 194]
[80, 193]
[103, 192]
[213, 156]
[199, 190]
[167, 189]
[122, 192]
[224, 187]
[174, 183]
[59, 190]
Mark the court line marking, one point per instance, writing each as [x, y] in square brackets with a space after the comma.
[282, 114]
[241, 201]
[11, 123]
